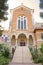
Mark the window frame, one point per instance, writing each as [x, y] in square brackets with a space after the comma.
[24, 27]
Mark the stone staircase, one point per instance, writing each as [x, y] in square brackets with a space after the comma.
[22, 56]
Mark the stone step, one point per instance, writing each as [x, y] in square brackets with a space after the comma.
[23, 64]
[22, 56]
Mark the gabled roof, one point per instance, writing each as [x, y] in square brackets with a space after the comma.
[22, 5]
[38, 26]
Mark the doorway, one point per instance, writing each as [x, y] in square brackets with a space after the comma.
[22, 40]
[22, 43]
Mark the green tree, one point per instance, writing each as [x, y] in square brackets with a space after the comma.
[1, 30]
[3, 10]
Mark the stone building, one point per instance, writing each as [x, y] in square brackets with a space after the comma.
[22, 31]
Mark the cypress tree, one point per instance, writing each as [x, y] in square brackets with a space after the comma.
[3, 10]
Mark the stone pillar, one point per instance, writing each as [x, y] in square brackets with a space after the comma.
[16, 42]
[27, 42]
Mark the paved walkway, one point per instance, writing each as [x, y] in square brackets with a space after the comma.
[22, 56]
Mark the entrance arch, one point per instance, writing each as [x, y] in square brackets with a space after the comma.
[30, 40]
[22, 40]
[13, 40]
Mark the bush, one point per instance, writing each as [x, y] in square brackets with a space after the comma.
[4, 50]
[41, 49]
[4, 60]
[4, 54]
[38, 58]
[35, 55]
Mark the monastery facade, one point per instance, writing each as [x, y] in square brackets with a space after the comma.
[22, 31]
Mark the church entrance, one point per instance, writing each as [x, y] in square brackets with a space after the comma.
[22, 43]
[22, 40]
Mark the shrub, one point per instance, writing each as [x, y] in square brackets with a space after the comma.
[4, 50]
[38, 58]
[35, 55]
[4, 60]
[41, 49]
[4, 54]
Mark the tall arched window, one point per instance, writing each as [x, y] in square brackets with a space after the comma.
[21, 20]
[18, 24]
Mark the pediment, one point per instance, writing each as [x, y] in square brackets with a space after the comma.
[22, 8]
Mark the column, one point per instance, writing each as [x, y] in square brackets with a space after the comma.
[16, 42]
[27, 42]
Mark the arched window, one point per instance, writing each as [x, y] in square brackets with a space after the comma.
[18, 24]
[21, 20]
[24, 24]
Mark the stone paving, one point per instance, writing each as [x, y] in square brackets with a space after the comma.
[22, 56]
[23, 64]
